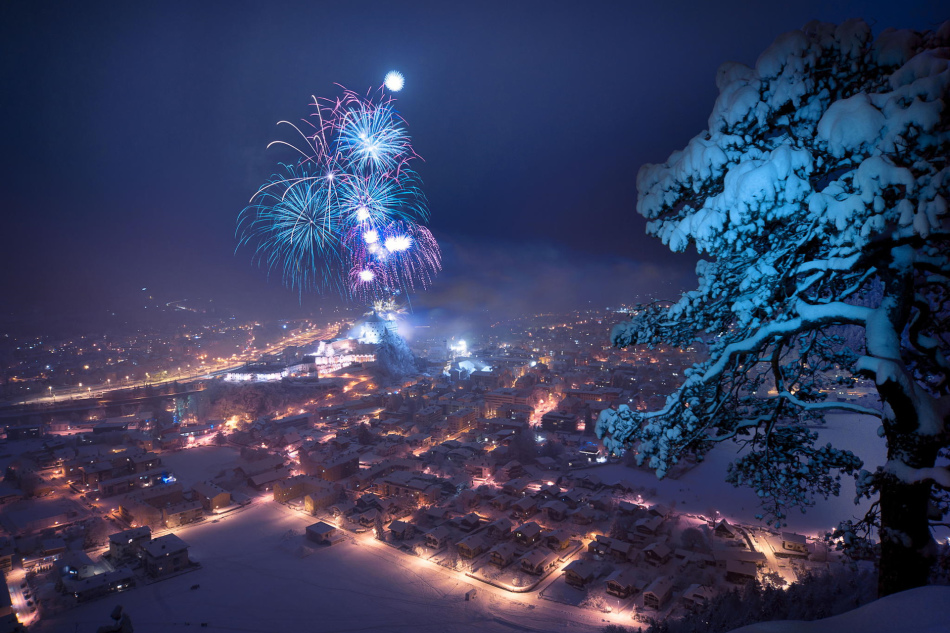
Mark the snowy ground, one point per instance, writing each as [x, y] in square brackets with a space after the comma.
[703, 489]
[923, 610]
[253, 580]
[192, 465]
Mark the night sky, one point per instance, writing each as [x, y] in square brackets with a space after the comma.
[134, 132]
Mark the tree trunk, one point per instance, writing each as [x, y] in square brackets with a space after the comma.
[907, 548]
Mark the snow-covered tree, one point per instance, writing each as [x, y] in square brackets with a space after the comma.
[819, 196]
[394, 359]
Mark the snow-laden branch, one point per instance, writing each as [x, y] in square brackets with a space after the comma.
[810, 316]
[827, 406]
[936, 474]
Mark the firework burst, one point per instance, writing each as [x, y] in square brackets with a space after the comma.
[348, 216]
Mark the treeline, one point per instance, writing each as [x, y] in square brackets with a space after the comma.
[814, 597]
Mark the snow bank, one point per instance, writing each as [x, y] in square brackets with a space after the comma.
[923, 610]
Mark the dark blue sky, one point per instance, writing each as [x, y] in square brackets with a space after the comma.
[134, 132]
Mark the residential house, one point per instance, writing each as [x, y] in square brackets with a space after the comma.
[623, 584]
[538, 561]
[794, 543]
[502, 554]
[696, 596]
[524, 508]
[555, 510]
[402, 530]
[580, 573]
[558, 540]
[724, 530]
[723, 556]
[648, 526]
[212, 496]
[740, 571]
[90, 587]
[469, 522]
[322, 532]
[165, 555]
[657, 553]
[658, 593]
[182, 513]
[502, 502]
[128, 543]
[499, 528]
[438, 537]
[572, 498]
[528, 534]
[472, 546]
[616, 549]
[583, 516]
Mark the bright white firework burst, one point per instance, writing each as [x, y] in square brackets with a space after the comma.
[394, 81]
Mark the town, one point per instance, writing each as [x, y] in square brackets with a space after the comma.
[482, 462]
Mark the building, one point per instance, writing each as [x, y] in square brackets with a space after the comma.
[794, 543]
[165, 555]
[538, 561]
[322, 532]
[580, 573]
[212, 496]
[129, 543]
[339, 468]
[528, 534]
[100, 584]
[502, 554]
[658, 593]
[182, 513]
[623, 584]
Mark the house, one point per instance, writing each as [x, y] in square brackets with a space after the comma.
[368, 518]
[538, 561]
[724, 530]
[583, 516]
[558, 540]
[696, 596]
[321, 532]
[469, 522]
[657, 553]
[723, 556]
[555, 510]
[580, 573]
[528, 534]
[128, 543]
[83, 589]
[211, 496]
[623, 584]
[524, 508]
[502, 554]
[182, 513]
[794, 543]
[605, 546]
[500, 528]
[548, 492]
[165, 555]
[502, 502]
[658, 593]
[472, 546]
[740, 571]
[572, 498]
[401, 530]
[437, 538]
[648, 526]
[516, 487]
